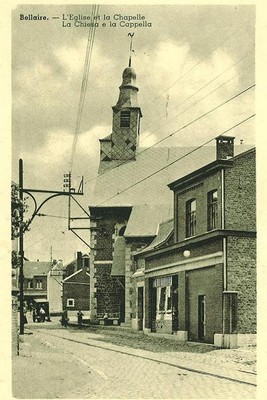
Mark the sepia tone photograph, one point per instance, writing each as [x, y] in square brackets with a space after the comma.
[133, 201]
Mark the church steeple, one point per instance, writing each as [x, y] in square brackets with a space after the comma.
[123, 141]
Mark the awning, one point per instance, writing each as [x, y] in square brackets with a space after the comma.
[40, 300]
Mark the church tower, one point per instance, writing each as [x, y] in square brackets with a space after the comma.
[123, 141]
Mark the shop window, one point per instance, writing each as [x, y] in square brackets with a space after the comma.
[164, 297]
[70, 303]
[212, 210]
[191, 217]
[125, 119]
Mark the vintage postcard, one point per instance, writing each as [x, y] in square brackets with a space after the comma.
[133, 200]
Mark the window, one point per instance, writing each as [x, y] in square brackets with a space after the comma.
[70, 302]
[30, 284]
[164, 296]
[39, 284]
[212, 210]
[125, 119]
[191, 217]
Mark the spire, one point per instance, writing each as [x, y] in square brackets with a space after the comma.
[131, 48]
[122, 144]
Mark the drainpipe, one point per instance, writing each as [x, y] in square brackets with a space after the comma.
[224, 246]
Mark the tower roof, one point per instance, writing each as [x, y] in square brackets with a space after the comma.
[128, 90]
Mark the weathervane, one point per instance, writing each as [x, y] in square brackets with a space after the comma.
[131, 48]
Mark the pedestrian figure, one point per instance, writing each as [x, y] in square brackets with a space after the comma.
[105, 317]
[25, 321]
[64, 319]
[34, 314]
[42, 314]
[80, 318]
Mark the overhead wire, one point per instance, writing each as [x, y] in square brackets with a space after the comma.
[201, 88]
[89, 49]
[86, 68]
[192, 105]
[176, 160]
[149, 176]
[200, 61]
[178, 130]
[85, 81]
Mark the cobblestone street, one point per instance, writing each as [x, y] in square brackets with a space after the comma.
[72, 363]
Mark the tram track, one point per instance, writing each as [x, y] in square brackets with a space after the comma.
[158, 361]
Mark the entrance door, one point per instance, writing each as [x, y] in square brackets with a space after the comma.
[201, 317]
[140, 311]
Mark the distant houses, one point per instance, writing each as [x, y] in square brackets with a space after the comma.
[35, 280]
[45, 281]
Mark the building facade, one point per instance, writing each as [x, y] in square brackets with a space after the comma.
[198, 278]
[130, 201]
[35, 280]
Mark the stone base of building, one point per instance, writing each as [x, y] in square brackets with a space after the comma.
[135, 324]
[246, 339]
[234, 340]
[147, 331]
[182, 336]
[225, 341]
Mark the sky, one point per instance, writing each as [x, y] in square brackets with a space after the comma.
[188, 60]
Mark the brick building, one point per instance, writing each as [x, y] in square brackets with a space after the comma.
[76, 286]
[197, 279]
[130, 200]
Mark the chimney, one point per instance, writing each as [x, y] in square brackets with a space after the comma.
[79, 260]
[224, 147]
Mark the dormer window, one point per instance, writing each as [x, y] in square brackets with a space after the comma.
[125, 119]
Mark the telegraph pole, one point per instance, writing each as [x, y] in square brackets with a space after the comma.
[21, 251]
[23, 227]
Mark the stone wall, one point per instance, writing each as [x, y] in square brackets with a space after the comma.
[241, 277]
[240, 198]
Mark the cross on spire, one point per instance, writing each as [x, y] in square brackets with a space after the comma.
[131, 48]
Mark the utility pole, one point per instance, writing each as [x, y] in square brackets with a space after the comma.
[23, 227]
[21, 251]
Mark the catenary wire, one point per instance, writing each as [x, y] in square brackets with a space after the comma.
[180, 129]
[75, 139]
[199, 89]
[198, 101]
[178, 159]
[200, 61]
[89, 48]
[185, 126]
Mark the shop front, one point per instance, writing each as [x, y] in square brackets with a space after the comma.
[164, 304]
